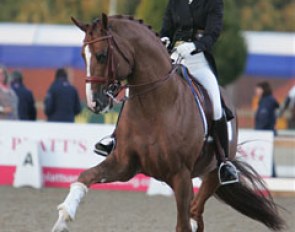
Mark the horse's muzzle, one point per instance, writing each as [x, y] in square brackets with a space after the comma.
[103, 105]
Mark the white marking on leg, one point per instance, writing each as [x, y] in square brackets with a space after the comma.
[194, 225]
[67, 210]
[89, 95]
[77, 192]
[61, 224]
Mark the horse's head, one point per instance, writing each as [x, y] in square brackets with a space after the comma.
[106, 64]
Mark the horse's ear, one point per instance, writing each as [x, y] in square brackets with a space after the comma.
[79, 24]
[104, 19]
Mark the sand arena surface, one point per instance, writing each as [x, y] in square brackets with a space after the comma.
[30, 210]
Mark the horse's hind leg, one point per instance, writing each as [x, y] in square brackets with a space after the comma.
[208, 187]
[182, 185]
[109, 170]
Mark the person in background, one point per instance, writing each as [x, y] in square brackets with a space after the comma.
[289, 103]
[265, 115]
[26, 102]
[62, 102]
[8, 98]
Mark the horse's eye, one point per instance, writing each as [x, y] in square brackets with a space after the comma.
[101, 57]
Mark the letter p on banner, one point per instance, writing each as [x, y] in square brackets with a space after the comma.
[28, 169]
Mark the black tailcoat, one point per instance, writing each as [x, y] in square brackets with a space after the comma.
[182, 21]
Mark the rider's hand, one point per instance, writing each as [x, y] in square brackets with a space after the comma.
[200, 47]
[175, 57]
[186, 49]
[166, 41]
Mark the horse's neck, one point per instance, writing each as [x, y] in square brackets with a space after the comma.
[151, 58]
[152, 61]
[151, 65]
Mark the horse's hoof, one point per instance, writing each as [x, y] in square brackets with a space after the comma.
[60, 226]
[194, 225]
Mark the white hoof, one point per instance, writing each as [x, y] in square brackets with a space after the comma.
[61, 224]
[194, 225]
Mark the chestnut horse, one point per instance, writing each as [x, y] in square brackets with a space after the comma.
[160, 132]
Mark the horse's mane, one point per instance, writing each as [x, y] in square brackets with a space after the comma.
[139, 21]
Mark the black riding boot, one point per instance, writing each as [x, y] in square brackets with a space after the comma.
[105, 146]
[227, 172]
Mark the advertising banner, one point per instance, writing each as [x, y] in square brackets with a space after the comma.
[66, 149]
[256, 148]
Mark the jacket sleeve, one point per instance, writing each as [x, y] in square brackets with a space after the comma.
[167, 24]
[213, 27]
[32, 108]
[49, 103]
[262, 119]
[77, 105]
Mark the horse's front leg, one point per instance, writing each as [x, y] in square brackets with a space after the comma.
[109, 170]
[183, 189]
[209, 185]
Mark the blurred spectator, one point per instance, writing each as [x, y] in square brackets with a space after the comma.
[26, 102]
[8, 98]
[62, 102]
[265, 116]
[289, 103]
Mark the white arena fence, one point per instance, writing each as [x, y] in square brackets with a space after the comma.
[41, 154]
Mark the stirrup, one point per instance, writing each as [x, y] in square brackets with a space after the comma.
[233, 172]
[105, 146]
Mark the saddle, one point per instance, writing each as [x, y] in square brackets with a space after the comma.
[202, 96]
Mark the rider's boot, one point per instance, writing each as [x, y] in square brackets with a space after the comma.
[228, 113]
[105, 146]
[227, 172]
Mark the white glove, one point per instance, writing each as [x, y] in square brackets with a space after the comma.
[166, 41]
[185, 49]
[175, 57]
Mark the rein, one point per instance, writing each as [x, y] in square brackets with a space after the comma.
[156, 83]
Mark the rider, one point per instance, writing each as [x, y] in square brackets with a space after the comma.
[189, 30]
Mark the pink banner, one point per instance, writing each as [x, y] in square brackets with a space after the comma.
[63, 177]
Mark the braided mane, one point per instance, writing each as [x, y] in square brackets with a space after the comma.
[140, 21]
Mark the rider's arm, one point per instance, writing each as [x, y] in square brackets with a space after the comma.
[213, 26]
[167, 24]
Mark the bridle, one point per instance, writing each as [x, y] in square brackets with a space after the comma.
[110, 74]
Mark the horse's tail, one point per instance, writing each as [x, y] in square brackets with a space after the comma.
[251, 198]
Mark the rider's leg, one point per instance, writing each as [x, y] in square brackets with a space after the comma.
[200, 69]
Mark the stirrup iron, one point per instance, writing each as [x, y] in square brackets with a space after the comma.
[236, 173]
[105, 146]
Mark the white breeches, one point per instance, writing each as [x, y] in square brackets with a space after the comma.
[199, 67]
